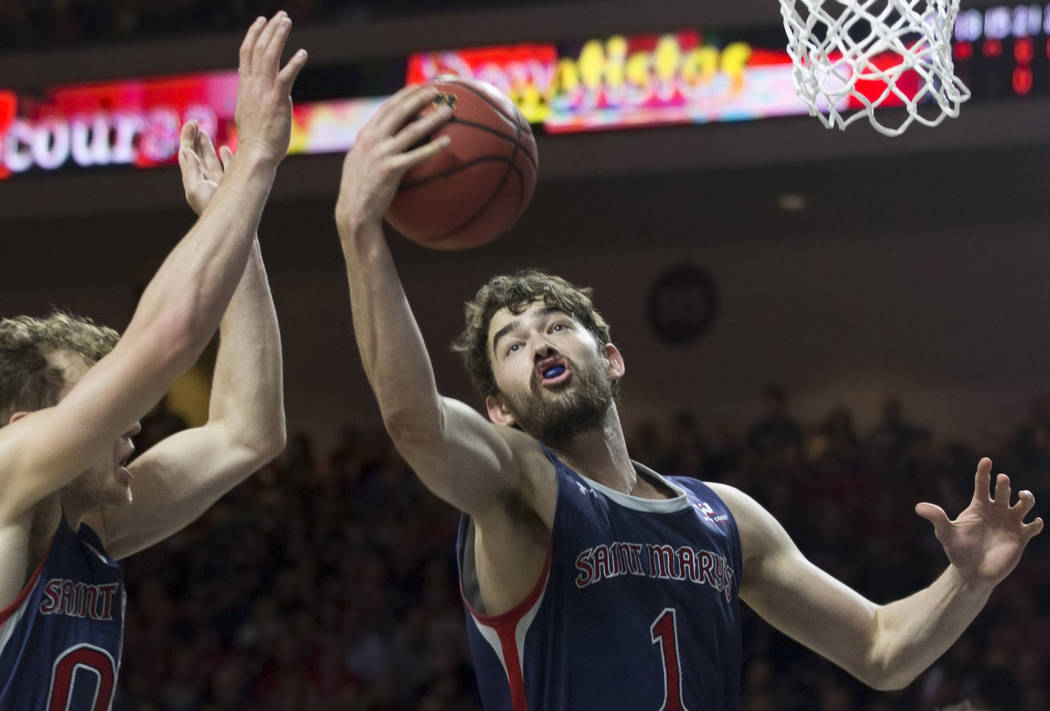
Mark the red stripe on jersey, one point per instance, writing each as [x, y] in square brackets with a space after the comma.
[505, 626]
[17, 602]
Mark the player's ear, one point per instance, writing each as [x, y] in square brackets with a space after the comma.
[498, 410]
[616, 367]
[15, 417]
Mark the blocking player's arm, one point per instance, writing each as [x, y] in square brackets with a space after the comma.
[458, 454]
[179, 478]
[175, 481]
[181, 306]
[885, 646]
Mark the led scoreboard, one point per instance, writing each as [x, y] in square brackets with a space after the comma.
[1003, 51]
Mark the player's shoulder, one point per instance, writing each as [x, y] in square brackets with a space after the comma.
[745, 509]
[527, 451]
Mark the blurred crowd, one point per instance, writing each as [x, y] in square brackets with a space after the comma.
[328, 582]
[48, 24]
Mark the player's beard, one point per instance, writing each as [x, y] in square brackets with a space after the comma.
[556, 416]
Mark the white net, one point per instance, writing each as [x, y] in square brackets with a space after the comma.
[851, 58]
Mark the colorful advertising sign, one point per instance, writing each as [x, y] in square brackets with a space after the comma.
[524, 72]
[673, 78]
[130, 122]
[643, 80]
[137, 123]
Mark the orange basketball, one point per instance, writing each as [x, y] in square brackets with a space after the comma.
[477, 188]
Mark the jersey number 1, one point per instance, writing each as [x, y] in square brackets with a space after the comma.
[664, 632]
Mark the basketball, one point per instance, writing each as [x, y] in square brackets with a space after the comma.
[476, 189]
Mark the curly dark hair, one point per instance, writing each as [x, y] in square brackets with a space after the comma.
[30, 378]
[515, 292]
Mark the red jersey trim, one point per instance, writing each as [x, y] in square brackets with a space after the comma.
[505, 626]
[513, 616]
[6, 613]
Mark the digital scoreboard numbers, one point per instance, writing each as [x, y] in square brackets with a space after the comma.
[1003, 51]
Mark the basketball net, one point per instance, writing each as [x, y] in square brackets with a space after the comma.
[853, 57]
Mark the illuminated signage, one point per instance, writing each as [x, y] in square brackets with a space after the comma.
[130, 122]
[330, 126]
[137, 123]
[8, 107]
[523, 72]
[672, 78]
[600, 83]
[620, 81]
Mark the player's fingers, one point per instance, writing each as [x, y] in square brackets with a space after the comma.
[226, 155]
[190, 163]
[286, 77]
[208, 156]
[1002, 490]
[188, 135]
[263, 40]
[407, 161]
[271, 54]
[420, 129]
[1025, 502]
[935, 515]
[1034, 528]
[981, 480]
[399, 111]
[192, 171]
[376, 122]
[248, 45]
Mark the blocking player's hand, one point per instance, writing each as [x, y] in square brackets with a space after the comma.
[986, 540]
[264, 102]
[202, 168]
[387, 148]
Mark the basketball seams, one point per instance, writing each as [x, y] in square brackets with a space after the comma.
[496, 107]
[511, 168]
[456, 169]
[515, 139]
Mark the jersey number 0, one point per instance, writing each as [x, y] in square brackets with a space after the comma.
[87, 665]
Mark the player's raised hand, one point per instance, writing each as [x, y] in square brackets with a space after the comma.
[264, 102]
[202, 168]
[393, 142]
[986, 540]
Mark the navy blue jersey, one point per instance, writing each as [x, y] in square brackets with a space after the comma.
[61, 639]
[637, 607]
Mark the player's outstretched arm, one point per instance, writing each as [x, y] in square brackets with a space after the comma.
[181, 306]
[180, 477]
[885, 646]
[458, 454]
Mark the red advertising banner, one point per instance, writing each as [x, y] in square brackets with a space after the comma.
[8, 108]
[133, 122]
